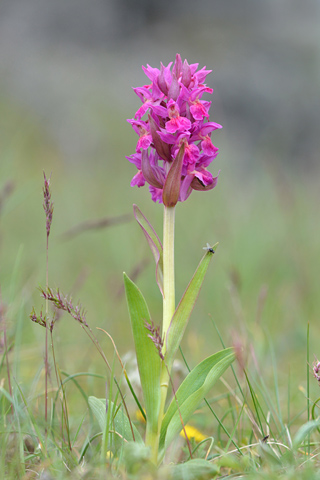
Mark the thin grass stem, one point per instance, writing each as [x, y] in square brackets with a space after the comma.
[308, 385]
[64, 404]
[46, 338]
[3, 321]
[181, 419]
[255, 403]
[288, 400]
[234, 429]
[106, 432]
[125, 374]
[232, 367]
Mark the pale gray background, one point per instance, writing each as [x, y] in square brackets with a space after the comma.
[70, 62]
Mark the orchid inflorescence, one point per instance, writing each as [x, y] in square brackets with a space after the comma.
[176, 133]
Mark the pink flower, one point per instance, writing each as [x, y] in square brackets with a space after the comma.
[191, 154]
[198, 110]
[156, 194]
[178, 124]
[142, 129]
[207, 146]
[174, 147]
[138, 180]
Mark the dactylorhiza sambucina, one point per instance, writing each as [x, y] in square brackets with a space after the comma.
[173, 152]
[173, 124]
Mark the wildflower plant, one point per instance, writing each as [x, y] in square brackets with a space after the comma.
[172, 154]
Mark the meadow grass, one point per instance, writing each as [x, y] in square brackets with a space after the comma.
[261, 296]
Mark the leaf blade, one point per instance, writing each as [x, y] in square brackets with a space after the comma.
[184, 309]
[191, 392]
[305, 430]
[147, 355]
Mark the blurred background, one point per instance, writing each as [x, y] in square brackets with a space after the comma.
[67, 69]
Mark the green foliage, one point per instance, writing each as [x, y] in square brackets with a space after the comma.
[182, 314]
[136, 458]
[147, 355]
[120, 426]
[191, 392]
[196, 469]
[304, 431]
[265, 287]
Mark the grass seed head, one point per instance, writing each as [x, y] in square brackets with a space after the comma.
[47, 203]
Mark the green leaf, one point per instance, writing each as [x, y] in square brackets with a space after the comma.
[303, 432]
[183, 311]
[147, 355]
[191, 392]
[196, 469]
[154, 244]
[119, 421]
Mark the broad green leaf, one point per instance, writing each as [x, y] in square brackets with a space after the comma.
[191, 392]
[154, 244]
[119, 421]
[147, 355]
[303, 432]
[196, 469]
[183, 311]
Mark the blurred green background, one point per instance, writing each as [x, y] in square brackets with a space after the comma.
[67, 69]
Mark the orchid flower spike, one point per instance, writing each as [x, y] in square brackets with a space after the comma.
[174, 147]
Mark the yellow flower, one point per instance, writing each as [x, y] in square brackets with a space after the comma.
[193, 432]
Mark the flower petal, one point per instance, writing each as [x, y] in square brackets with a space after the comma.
[197, 184]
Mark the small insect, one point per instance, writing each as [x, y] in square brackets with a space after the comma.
[208, 248]
[264, 440]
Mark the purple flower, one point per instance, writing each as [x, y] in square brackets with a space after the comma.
[174, 147]
[316, 369]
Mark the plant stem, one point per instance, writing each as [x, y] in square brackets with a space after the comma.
[46, 340]
[308, 384]
[168, 311]
[168, 269]
[2, 317]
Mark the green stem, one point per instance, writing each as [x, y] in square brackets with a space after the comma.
[168, 269]
[168, 311]
[46, 339]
